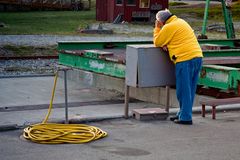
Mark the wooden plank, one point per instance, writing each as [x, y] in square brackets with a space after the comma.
[216, 102]
[150, 114]
[221, 60]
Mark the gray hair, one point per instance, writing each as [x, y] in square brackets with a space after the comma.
[163, 15]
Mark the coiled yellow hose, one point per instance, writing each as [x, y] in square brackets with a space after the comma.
[52, 133]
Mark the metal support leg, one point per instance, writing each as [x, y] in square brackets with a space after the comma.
[203, 110]
[213, 112]
[126, 101]
[227, 13]
[66, 96]
[204, 26]
[167, 98]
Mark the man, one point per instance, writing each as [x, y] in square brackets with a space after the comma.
[228, 3]
[177, 37]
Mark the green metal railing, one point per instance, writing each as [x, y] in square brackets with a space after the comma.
[227, 19]
[75, 45]
[87, 56]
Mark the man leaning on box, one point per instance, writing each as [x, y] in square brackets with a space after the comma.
[177, 37]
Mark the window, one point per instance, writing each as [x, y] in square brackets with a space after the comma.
[119, 2]
[144, 4]
[131, 2]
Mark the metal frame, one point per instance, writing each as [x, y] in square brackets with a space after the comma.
[126, 101]
[214, 54]
[65, 69]
[227, 19]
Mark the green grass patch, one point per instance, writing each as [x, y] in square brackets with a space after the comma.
[196, 13]
[68, 22]
[45, 22]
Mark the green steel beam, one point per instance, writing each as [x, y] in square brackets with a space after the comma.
[228, 42]
[228, 21]
[76, 45]
[204, 26]
[221, 77]
[222, 53]
[93, 64]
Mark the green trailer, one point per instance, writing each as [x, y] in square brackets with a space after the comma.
[221, 77]
[109, 58]
[97, 61]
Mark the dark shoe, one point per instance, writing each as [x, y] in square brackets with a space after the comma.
[183, 122]
[173, 118]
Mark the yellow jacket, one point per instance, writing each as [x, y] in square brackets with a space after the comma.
[179, 38]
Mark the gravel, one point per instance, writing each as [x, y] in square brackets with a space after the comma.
[27, 67]
[30, 67]
[50, 40]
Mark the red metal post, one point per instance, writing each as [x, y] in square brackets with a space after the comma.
[167, 98]
[238, 89]
[213, 112]
[203, 110]
[126, 101]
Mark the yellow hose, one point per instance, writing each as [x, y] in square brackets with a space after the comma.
[52, 133]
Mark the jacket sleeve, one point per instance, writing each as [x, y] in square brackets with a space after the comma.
[161, 37]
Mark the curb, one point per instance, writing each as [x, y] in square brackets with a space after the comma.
[27, 76]
[9, 127]
[196, 110]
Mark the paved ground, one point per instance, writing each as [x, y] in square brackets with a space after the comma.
[26, 100]
[127, 140]
[131, 139]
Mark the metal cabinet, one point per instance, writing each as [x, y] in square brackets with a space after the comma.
[148, 66]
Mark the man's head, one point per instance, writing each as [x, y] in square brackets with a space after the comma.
[163, 15]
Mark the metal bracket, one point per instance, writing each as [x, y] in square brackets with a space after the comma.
[126, 110]
[65, 69]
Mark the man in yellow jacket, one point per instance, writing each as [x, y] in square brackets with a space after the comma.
[177, 37]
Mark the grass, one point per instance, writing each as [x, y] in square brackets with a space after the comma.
[47, 22]
[215, 12]
[68, 22]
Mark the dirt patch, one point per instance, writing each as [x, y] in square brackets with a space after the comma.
[11, 50]
[194, 5]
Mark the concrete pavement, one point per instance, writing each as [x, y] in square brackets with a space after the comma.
[23, 101]
[130, 139]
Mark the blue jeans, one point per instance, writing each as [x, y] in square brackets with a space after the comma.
[186, 83]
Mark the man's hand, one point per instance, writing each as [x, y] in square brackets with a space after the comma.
[165, 48]
[158, 24]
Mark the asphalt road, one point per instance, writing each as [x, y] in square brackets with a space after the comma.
[130, 139]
